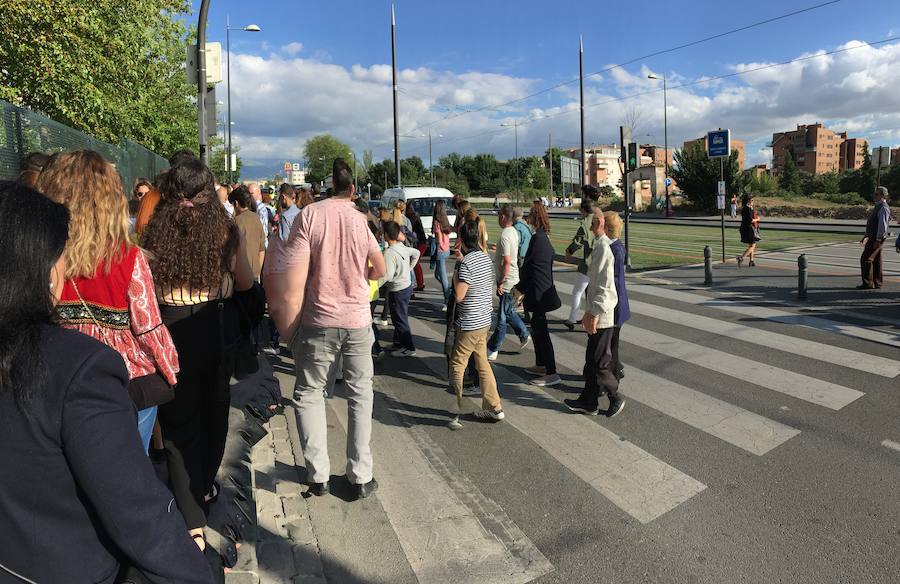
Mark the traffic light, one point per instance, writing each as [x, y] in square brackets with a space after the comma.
[632, 162]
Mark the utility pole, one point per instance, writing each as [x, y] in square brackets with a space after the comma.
[581, 91]
[430, 160]
[201, 79]
[396, 91]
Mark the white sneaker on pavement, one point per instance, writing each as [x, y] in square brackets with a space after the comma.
[492, 355]
[403, 353]
[524, 344]
[546, 380]
[489, 415]
[381, 321]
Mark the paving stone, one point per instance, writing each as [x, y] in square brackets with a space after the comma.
[276, 561]
[235, 577]
[294, 507]
[307, 564]
[278, 423]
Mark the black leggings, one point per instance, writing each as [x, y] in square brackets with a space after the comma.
[543, 345]
[195, 423]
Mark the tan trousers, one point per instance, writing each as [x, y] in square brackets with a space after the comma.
[474, 343]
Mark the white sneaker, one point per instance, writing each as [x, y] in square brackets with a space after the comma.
[403, 353]
[546, 380]
[492, 355]
[444, 308]
[381, 321]
[489, 415]
[472, 391]
[524, 344]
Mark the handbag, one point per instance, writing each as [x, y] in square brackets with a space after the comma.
[145, 391]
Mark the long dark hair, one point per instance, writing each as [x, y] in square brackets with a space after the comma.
[439, 218]
[33, 234]
[190, 236]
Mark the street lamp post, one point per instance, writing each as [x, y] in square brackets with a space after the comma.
[666, 138]
[515, 125]
[228, 29]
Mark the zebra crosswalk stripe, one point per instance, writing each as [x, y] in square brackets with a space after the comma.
[634, 480]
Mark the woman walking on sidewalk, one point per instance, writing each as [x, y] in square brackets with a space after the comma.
[421, 245]
[441, 228]
[581, 245]
[749, 230]
[613, 228]
[540, 296]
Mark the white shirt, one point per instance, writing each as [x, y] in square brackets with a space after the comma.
[601, 292]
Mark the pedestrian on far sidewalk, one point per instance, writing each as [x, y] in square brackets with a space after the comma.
[749, 230]
[623, 311]
[473, 288]
[540, 296]
[507, 278]
[599, 323]
[319, 297]
[441, 228]
[873, 242]
[581, 245]
[733, 206]
[399, 260]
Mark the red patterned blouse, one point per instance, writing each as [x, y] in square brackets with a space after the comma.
[123, 302]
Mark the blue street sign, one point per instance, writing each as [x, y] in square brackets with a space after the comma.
[718, 144]
[668, 182]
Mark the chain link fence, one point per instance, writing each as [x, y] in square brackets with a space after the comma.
[23, 131]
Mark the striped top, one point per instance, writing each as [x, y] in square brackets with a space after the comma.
[474, 312]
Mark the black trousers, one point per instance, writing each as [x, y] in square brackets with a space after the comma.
[618, 368]
[543, 345]
[870, 263]
[195, 423]
[599, 372]
[399, 307]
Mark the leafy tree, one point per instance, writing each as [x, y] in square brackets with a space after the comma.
[761, 183]
[217, 156]
[452, 161]
[102, 68]
[698, 176]
[607, 192]
[321, 152]
[414, 172]
[554, 154]
[790, 175]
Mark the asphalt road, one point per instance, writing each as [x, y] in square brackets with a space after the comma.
[759, 444]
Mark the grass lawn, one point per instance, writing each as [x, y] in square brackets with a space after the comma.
[657, 246]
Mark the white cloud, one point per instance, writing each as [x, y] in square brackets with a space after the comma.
[292, 49]
[280, 102]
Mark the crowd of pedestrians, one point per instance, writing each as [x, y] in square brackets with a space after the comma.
[120, 336]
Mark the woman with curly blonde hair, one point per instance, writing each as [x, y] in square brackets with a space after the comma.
[109, 290]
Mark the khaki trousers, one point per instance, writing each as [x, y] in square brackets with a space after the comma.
[474, 344]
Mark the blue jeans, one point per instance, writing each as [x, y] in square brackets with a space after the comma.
[440, 272]
[146, 419]
[399, 305]
[507, 315]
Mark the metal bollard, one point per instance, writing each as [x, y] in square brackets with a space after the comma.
[707, 266]
[802, 277]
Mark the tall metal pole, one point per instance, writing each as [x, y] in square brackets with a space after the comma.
[581, 88]
[201, 79]
[516, 128]
[228, 75]
[721, 178]
[666, 145]
[430, 159]
[396, 91]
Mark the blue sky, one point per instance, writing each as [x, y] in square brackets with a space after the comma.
[315, 68]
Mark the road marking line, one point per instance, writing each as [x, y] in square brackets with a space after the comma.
[810, 389]
[891, 444]
[449, 530]
[733, 424]
[797, 346]
[637, 482]
[772, 314]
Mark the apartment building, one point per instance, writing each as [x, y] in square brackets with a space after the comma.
[817, 150]
[738, 145]
[652, 155]
[602, 165]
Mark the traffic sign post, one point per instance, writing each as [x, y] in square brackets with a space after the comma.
[624, 143]
[718, 145]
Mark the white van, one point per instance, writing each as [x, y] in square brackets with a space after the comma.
[422, 200]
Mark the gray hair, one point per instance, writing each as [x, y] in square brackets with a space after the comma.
[882, 191]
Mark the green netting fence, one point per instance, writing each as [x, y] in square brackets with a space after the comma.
[23, 131]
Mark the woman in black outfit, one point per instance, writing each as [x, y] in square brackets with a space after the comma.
[67, 514]
[749, 230]
[536, 285]
[200, 267]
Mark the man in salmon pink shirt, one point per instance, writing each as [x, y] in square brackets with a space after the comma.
[317, 286]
